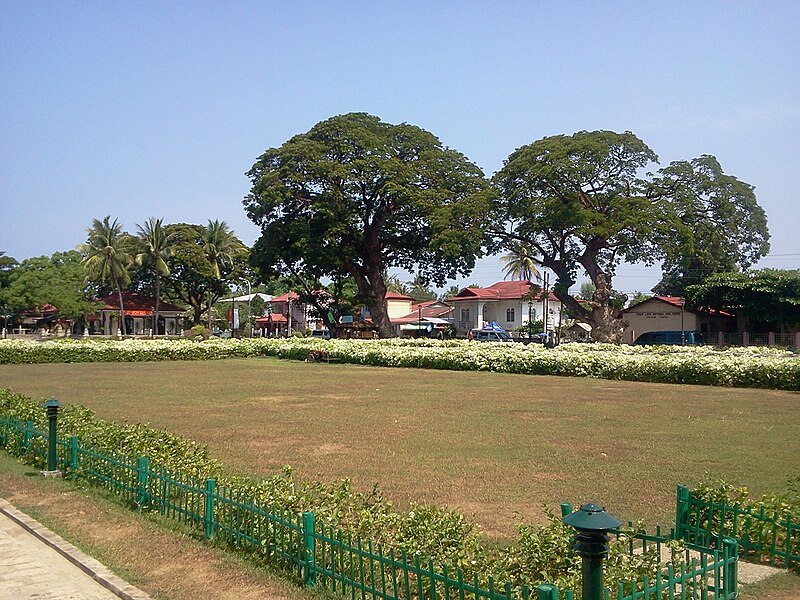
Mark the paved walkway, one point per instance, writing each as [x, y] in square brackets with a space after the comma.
[36, 563]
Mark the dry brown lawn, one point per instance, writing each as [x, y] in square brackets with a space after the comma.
[493, 445]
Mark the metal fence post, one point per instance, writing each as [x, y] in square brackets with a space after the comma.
[309, 545]
[546, 591]
[52, 406]
[73, 454]
[730, 553]
[142, 475]
[210, 490]
[681, 511]
[27, 435]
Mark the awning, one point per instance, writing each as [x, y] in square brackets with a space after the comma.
[270, 319]
[248, 298]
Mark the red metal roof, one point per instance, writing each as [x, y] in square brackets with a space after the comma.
[396, 296]
[135, 301]
[430, 309]
[285, 297]
[276, 318]
[502, 290]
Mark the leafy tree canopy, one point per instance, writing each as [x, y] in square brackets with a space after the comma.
[356, 196]
[728, 229]
[192, 279]
[7, 265]
[584, 202]
[56, 280]
[579, 202]
[767, 295]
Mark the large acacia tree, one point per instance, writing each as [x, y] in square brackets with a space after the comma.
[727, 228]
[584, 202]
[356, 196]
[579, 202]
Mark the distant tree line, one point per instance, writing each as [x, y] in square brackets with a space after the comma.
[343, 205]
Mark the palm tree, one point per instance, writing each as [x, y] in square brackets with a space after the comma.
[221, 246]
[520, 263]
[108, 258]
[156, 248]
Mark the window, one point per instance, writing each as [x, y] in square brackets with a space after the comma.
[465, 315]
[510, 315]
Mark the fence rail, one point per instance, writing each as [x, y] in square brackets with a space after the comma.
[329, 558]
[770, 537]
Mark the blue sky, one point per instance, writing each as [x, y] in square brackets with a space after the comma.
[158, 109]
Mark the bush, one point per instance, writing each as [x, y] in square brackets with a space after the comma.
[767, 528]
[740, 367]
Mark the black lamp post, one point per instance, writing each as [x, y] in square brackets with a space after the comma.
[52, 406]
[592, 523]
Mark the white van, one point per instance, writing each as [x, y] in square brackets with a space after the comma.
[323, 334]
[490, 335]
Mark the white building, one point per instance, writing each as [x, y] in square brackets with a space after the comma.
[510, 304]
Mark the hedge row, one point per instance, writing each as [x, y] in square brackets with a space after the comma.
[738, 367]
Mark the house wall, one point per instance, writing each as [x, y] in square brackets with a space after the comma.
[398, 308]
[496, 310]
[299, 313]
[656, 316]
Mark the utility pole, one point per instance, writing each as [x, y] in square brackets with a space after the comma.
[546, 307]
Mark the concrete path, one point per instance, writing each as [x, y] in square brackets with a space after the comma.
[36, 563]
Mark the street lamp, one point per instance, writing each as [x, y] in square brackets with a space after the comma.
[52, 406]
[5, 320]
[683, 335]
[592, 524]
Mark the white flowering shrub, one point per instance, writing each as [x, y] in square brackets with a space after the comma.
[756, 367]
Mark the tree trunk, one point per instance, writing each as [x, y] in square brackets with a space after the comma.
[209, 311]
[376, 301]
[606, 327]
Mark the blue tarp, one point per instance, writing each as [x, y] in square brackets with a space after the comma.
[493, 326]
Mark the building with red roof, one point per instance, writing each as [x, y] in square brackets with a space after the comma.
[510, 304]
[668, 313]
[139, 315]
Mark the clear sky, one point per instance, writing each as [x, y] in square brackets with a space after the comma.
[157, 109]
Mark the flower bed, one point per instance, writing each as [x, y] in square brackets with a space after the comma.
[737, 367]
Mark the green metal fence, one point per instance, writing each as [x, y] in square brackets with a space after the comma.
[325, 557]
[770, 537]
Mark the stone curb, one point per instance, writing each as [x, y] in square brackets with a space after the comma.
[85, 563]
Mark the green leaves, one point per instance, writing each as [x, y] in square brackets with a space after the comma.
[355, 196]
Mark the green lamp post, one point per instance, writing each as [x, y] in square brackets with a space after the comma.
[52, 406]
[592, 524]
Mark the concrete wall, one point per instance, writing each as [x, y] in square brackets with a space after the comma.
[654, 315]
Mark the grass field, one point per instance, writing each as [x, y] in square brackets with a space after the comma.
[493, 445]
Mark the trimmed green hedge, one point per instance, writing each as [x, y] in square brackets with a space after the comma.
[736, 367]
